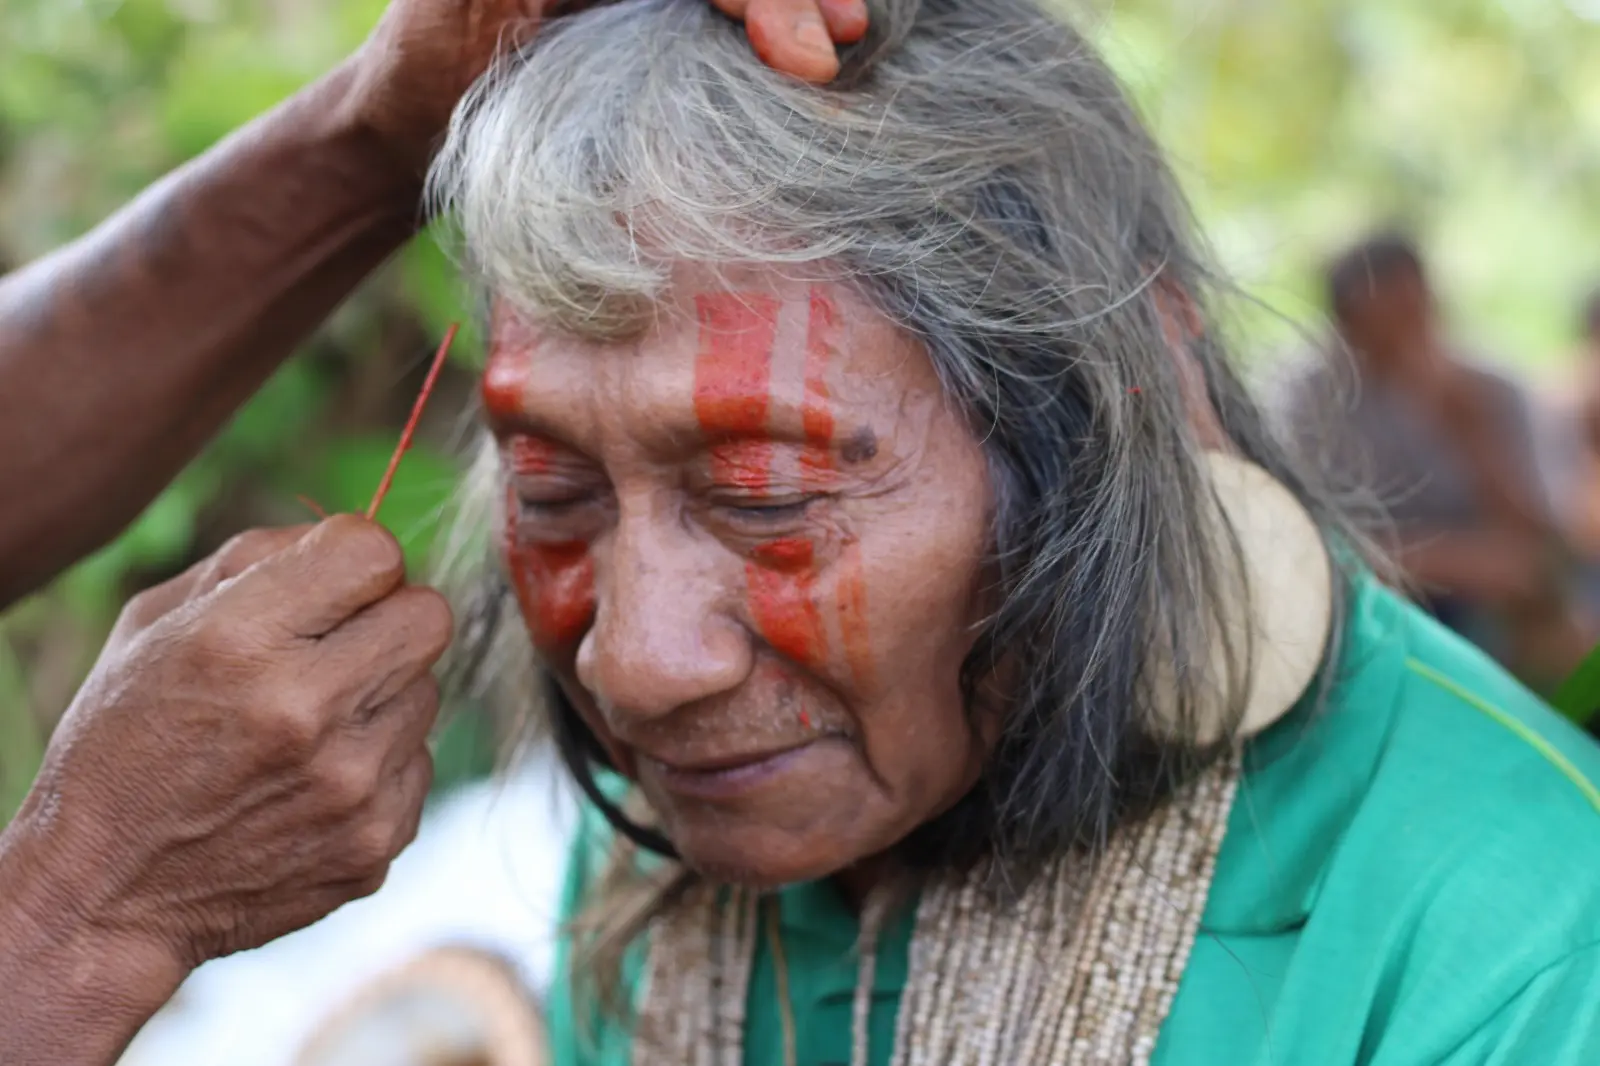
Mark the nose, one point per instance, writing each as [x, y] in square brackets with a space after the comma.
[660, 638]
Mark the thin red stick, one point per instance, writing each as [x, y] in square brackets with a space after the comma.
[411, 423]
[313, 506]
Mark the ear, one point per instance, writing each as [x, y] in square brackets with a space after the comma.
[1181, 326]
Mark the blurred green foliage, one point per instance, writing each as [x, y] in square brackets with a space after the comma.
[1300, 123]
[1296, 123]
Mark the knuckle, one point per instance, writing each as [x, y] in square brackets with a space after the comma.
[216, 643]
[294, 719]
[142, 609]
[373, 545]
[371, 848]
[421, 697]
[244, 550]
[369, 885]
[348, 786]
[422, 780]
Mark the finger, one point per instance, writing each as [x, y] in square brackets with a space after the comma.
[734, 9]
[370, 659]
[791, 36]
[846, 19]
[411, 794]
[311, 587]
[232, 559]
[401, 726]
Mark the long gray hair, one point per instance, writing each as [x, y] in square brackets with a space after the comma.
[979, 175]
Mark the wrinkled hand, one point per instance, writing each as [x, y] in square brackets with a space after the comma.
[250, 751]
[425, 54]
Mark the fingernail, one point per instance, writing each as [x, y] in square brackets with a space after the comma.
[811, 35]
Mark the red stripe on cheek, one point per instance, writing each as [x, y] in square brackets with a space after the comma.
[783, 599]
[554, 585]
[853, 614]
[733, 380]
[816, 413]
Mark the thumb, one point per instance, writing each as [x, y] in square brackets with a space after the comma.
[309, 588]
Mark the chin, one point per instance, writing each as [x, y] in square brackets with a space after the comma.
[760, 858]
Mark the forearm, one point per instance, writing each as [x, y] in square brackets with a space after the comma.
[1490, 567]
[68, 996]
[123, 353]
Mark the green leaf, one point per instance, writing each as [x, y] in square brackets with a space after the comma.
[1579, 695]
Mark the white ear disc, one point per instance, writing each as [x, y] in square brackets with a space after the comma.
[1289, 579]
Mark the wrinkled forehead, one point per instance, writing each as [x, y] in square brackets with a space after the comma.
[737, 345]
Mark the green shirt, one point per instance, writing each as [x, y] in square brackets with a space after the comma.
[1411, 877]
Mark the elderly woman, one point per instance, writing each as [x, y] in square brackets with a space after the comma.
[957, 672]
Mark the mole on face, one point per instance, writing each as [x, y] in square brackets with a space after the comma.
[861, 447]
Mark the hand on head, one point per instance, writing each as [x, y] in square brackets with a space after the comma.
[425, 54]
[248, 754]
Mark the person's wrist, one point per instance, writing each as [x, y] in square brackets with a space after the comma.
[401, 137]
[386, 159]
[58, 932]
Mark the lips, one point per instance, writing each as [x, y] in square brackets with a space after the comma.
[717, 764]
[734, 777]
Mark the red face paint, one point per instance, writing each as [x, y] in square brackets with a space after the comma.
[782, 578]
[733, 383]
[853, 614]
[816, 413]
[733, 386]
[530, 455]
[505, 380]
[554, 583]
[732, 396]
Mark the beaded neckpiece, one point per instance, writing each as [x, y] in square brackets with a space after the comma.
[1082, 969]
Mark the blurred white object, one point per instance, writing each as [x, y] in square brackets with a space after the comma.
[485, 870]
[450, 1007]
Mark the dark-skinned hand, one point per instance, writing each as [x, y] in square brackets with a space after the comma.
[425, 54]
[248, 754]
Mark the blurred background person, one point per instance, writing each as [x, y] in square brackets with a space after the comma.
[1457, 454]
[1574, 401]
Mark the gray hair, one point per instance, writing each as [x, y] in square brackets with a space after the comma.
[979, 175]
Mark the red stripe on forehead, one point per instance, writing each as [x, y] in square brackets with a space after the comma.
[733, 381]
[816, 413]
[733, 370]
